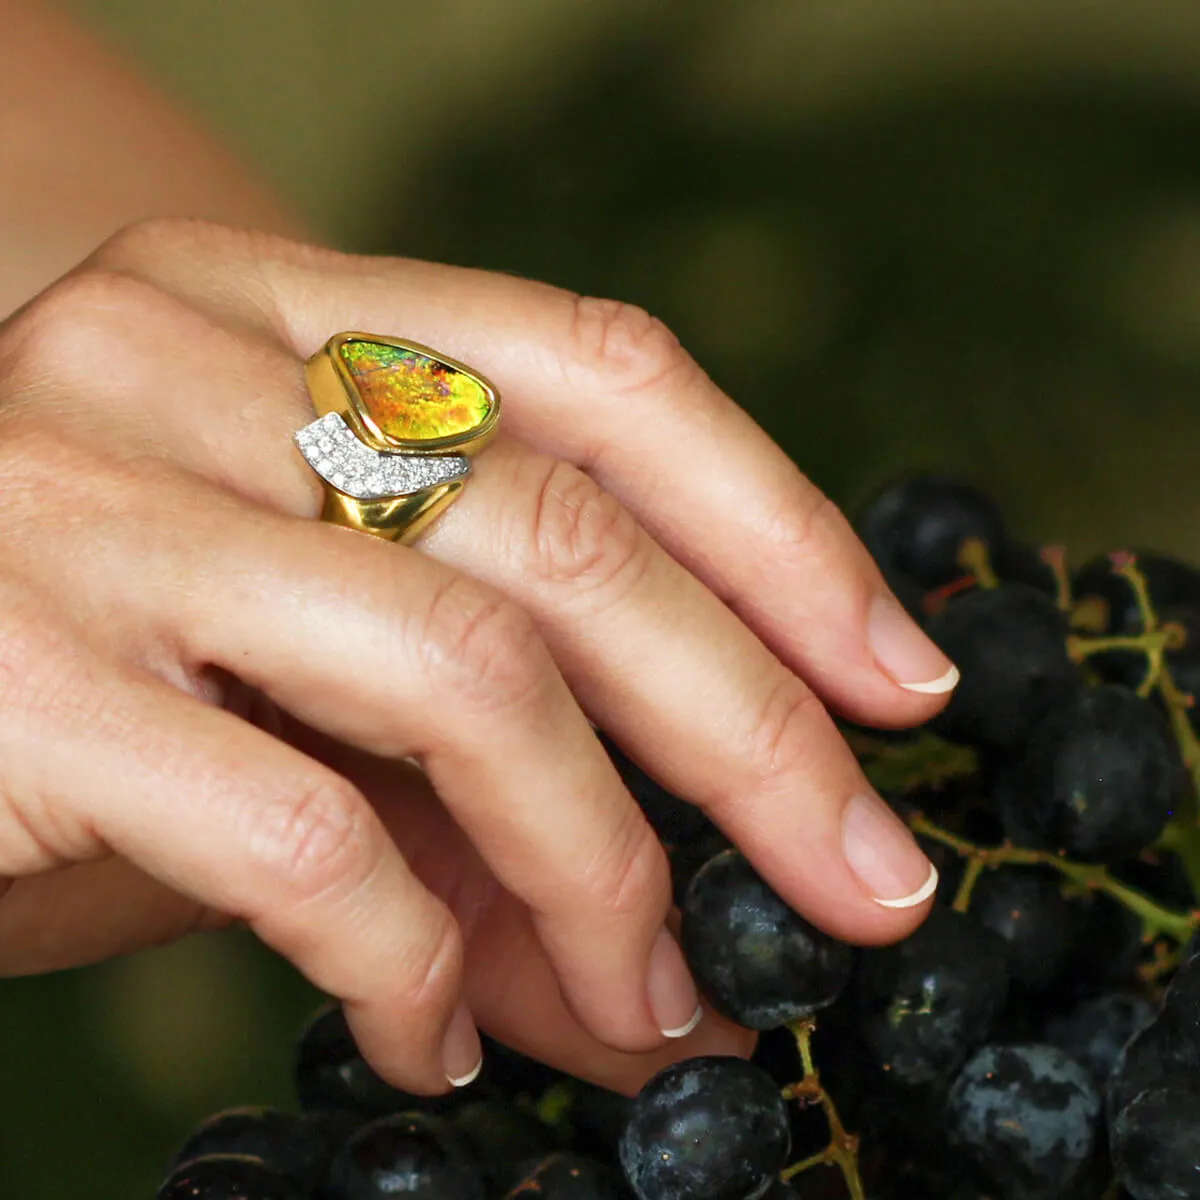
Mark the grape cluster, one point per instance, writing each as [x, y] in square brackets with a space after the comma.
[1037, 1037]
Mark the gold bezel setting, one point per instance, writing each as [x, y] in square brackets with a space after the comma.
[333, 389]
[385, 486]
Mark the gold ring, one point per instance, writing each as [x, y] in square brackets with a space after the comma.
[397, 424]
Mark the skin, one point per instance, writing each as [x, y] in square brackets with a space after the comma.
[216, 708]
[76, 121]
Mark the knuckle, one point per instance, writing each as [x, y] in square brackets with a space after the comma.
[43, 675]
[29, 846]
[582, 534]
[631, 349]
[71, 336]
[39, 458]
[318, 840]
[781, 737]
[799, 527]
[488, 646]
[430, 971]
[630, 877]
[149, 240]
[44, 686]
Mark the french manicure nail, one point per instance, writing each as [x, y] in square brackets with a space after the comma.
[885, 856]
[904, 652]
[673, 996]
[462, 1051]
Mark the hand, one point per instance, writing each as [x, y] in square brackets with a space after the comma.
[207, 696]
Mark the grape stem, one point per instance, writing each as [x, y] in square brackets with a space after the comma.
[973, 556]
[843, 1147]
[1157, 921]
[925, 761]
[966, 888]
[1164, 962]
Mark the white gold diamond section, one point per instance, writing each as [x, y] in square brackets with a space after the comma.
[332, 450]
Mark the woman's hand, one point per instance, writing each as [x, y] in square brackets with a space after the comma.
[207, 695]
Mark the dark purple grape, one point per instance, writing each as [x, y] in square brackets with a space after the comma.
[596, 1118]
[332, 1075]
[1019, 563]
[780, 1191]
[926, 1003]
[1192, 949]
[502, 1137]
[1097, 778]
[1149, 1058]
[1026, 907]
[1010, 643]
[229, 1177]
[757, 960]
[916, 527]
[407, 1154]
[298, 1146]
[1179, 1014]
[1024, 1118]
[1108, 945]
[922, 1177]
[510, 1073]
[1094, 1032]
[686, 861]
[567, 1177]
[1160, 874]
[1168, 1046]
[1155, 1141]
[706, 1129]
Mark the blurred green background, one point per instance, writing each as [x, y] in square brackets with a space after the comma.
[901, 233]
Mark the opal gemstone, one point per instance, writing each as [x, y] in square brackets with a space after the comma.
[412, 397]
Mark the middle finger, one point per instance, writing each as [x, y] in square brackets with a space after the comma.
[656, 659]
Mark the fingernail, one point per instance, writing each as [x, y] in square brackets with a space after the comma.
[462, 1051]
[673, 996]
[904, 651]
[885, 856]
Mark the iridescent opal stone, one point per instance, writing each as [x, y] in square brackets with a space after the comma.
[412, 397]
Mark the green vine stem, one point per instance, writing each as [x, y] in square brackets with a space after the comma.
[1165, 961]
[1182, 838]
[1157, 920]
[843, 1147]
[976, 864]
[901, 767]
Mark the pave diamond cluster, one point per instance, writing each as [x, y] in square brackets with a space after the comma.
[341, 459]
